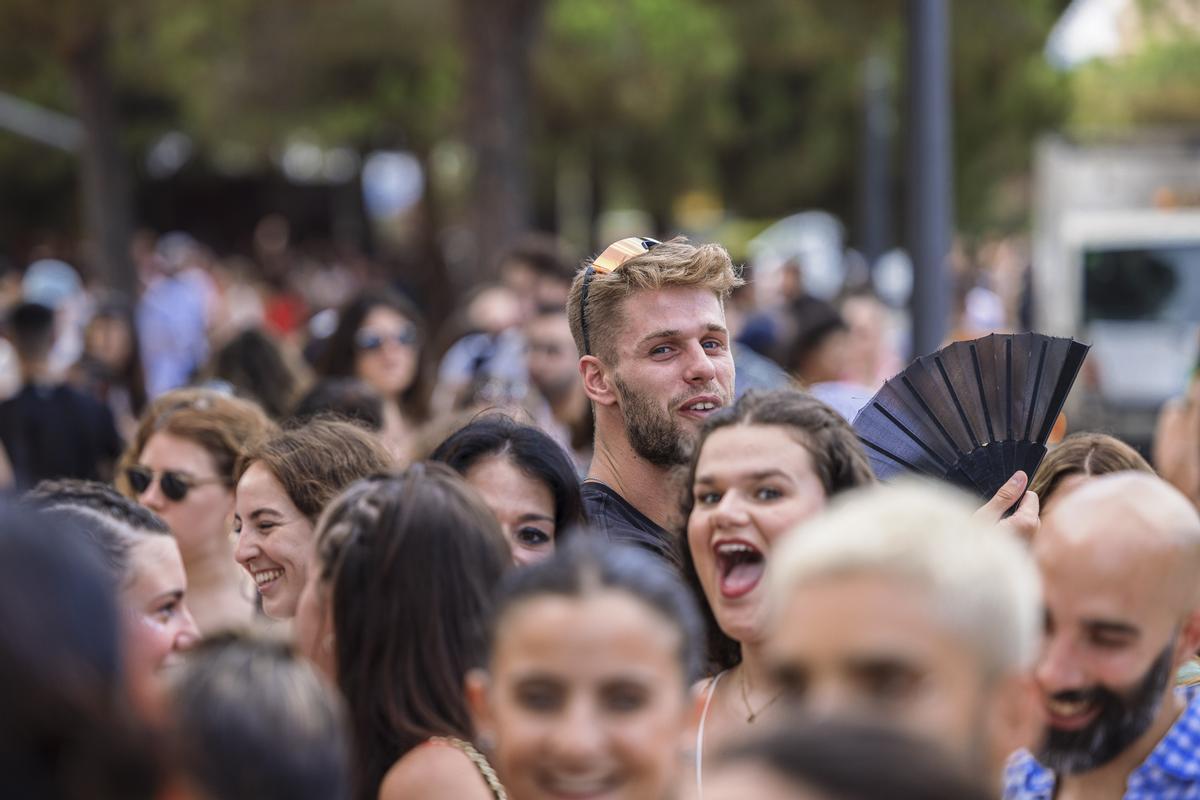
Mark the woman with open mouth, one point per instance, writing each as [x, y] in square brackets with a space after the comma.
[761, 467]
[283, 485]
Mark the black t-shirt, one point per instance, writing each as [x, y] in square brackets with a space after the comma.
[57, 432]
[611, 515]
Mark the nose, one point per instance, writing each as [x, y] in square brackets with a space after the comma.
[579, 738]
[188, 634]
[827, 700]
[700, 368]
[246, 548]
[731, 511]
[1059, 669]
[153, 497]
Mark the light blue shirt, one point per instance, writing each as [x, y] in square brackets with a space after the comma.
[1170, 772]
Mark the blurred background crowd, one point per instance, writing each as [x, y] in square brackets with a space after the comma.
[290, 284]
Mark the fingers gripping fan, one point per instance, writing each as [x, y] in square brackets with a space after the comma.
[973, 413]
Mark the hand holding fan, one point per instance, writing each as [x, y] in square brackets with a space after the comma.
[973, 413]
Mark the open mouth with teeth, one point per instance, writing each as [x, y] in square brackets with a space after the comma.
[700, 407]
[1071, 713]
[740, 568]
[264, 579]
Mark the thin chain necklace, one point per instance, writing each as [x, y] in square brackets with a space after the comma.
[751, 714]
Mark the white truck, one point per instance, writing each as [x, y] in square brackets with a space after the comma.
[1116, 263]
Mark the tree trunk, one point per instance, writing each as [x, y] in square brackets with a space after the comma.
[498, 36]
[108, 202]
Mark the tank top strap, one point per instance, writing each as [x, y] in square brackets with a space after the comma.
[479, 760]
[709, 692]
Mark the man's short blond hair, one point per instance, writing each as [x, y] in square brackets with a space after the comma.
[675, 263]
[982, 582]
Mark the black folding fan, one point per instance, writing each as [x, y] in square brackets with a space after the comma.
[973, 413]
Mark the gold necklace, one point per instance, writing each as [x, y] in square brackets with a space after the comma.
[751, 714]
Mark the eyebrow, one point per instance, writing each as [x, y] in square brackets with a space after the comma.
[534, 517]
[176, 594]
[670, 333]
[259, 512]
[751, 476]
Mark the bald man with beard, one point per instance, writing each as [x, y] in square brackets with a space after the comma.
[1120, 565]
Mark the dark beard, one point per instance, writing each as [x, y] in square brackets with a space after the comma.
[1122, 720]
[653, 435]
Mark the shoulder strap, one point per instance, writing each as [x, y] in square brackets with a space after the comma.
[712, 690]
[479, 760]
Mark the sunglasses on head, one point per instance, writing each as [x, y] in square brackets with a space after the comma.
[607, 262]
[174, 485]
[368, 341]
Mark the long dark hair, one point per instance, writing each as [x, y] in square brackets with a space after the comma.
[531, 450]
[253, 363]
[132, 375]
[337, 355]
[837, 457]
[413, 560]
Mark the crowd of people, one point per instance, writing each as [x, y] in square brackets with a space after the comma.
[272, 546]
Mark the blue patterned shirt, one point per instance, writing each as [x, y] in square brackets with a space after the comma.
[1171, 772]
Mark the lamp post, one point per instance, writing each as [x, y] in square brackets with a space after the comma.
[930, 160]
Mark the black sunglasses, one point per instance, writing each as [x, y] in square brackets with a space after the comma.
[174, 485]
[613, 256]
[367, 341]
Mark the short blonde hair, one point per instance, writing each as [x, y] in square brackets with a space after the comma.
[674, 263]
[982, 581]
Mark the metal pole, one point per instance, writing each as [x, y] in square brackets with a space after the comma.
[875, 187]
[930, 198]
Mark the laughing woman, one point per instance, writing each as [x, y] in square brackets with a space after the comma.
[761, 467]
[283, 485]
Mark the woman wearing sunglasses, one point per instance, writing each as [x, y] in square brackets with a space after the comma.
[378, 340]
[180, 465]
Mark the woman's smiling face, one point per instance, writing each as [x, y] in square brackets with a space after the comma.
[753, 484]
[587, 697]
[274, 540]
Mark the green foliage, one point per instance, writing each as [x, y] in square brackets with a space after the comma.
[1159, 86]
[759, 101]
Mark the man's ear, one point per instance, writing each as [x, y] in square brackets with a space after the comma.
[1189, 638]
[597, 383]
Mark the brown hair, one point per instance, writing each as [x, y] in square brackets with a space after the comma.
[315, 461]
[670, 264]
[224, 426]
[413, 561]
[838, 460]
[1087, 454]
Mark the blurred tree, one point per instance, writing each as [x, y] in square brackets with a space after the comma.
[757, 102]
[76, 34]
[497, 36]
